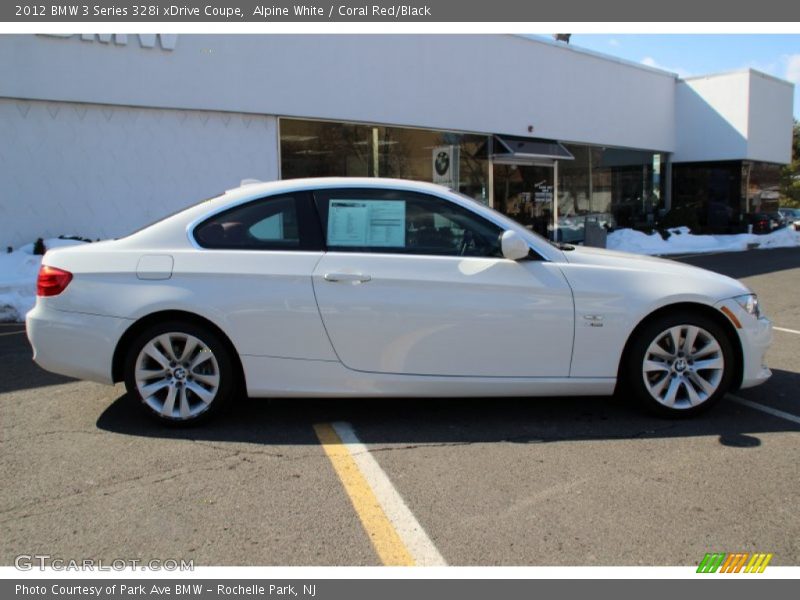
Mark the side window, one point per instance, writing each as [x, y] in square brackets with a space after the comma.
[283, 222]
[400, 222]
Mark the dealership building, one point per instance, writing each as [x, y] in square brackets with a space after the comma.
[100, 134]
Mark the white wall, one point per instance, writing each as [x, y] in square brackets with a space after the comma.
[102, 171]
[770, 117]
[743, 115]
[480, 83]
[711, 117]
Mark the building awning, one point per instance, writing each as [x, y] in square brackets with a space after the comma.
[509, 149]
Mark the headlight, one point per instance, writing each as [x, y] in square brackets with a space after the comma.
[749, 302]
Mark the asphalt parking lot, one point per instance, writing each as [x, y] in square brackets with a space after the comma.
[565, 481]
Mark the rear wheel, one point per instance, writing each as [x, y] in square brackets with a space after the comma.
[180, 372]
[680, 364]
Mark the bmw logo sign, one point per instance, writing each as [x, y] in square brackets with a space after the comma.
[442, 162]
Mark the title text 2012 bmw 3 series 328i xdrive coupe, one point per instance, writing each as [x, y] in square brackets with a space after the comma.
[384, 288]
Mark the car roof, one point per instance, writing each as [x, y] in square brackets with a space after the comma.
[256, 188]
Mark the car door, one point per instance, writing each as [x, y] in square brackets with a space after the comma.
[254, 272]
[416, 284]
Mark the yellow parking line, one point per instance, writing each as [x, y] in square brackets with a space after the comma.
[13, 332]
[385, 539]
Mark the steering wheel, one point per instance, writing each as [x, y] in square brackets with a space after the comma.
[466, 240]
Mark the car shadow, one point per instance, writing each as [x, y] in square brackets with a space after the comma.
[19, 372]
[452, 421]
[20, 379]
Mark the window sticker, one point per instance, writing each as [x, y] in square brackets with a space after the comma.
[368, 223]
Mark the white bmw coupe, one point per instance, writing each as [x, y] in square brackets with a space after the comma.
[384, 288]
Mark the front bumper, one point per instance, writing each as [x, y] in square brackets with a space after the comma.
[755, 336]
[74, 344]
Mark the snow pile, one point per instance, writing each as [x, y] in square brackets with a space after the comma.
[681, 241]
[18, 272]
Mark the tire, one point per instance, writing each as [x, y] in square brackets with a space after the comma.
[685, 380]
[180, 373]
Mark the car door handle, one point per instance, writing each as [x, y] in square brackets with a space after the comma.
[347, 277]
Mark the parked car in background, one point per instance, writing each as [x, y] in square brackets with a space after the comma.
[384, 288]
[777, 220]
[761, 222]
[791, 217]
[571, 229]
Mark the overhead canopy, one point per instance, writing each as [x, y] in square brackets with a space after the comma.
[511, 149]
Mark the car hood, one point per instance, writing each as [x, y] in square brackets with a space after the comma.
[687, 276]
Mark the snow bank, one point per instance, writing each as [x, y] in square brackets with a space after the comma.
[18, 272]
[681, 241]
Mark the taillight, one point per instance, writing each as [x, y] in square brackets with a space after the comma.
[52, 281]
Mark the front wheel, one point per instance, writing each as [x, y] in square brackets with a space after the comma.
[180, 372]
[680, 364]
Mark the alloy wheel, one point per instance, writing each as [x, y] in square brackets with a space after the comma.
[177, 375]
[683, 366]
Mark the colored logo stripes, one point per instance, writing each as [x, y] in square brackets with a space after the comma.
[734, 562]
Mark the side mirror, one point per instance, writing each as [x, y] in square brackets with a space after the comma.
[513, 246]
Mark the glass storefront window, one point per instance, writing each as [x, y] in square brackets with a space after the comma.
[707, 196]
[633, 185]
[611, 187]
[762, 186]
[607, 187]
[525, 193]
[320, 149]
[724, 196]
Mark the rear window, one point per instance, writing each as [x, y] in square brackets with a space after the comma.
[285, 222]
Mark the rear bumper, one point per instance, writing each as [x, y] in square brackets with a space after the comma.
[74, 344]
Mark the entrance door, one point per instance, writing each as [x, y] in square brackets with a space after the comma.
[525, 193]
